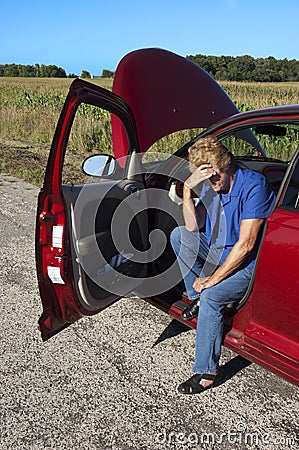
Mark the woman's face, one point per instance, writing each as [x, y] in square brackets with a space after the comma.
[222, 181]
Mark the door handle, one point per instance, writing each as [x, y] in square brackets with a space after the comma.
[133, 189]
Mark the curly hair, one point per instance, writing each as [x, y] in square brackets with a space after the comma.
[209, 150]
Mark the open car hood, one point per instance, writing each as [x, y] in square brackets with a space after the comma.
[166, 93]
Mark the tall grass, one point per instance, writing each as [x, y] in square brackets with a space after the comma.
[249, 96]
[30, 108]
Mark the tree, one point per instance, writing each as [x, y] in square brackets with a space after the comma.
[55, 72]
[37, 70]
[107, 73]
[43, 70]
[85, 74]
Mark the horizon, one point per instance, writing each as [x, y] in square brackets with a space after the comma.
[93, 75]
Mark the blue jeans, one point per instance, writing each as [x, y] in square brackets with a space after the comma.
[191, 249]
[194, 256]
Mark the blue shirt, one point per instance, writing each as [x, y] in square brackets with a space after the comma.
[251, 197]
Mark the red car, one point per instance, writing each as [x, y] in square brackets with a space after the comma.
[103, 237]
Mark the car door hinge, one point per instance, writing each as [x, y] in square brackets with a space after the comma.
[45, 228]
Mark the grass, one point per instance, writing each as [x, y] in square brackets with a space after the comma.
[30, 108]
[249, 96]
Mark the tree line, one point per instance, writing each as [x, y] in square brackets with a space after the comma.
[223, 68]
[36, 70]
[247, 68]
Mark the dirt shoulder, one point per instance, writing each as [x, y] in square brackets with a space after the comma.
[23, 159]
[27, 160]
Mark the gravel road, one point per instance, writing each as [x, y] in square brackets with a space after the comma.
[109, 382]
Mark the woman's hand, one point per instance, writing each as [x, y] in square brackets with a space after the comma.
[202, 283]
[202, 173]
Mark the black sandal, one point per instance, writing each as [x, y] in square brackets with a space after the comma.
[192, 385]
[190, 311]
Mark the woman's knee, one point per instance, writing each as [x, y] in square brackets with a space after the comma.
[176, 236]
[181, 237]
[211, 300]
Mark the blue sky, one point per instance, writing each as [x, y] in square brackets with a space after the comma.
[95, 34]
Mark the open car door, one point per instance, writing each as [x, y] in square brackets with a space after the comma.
[92, 244]
[78, 260]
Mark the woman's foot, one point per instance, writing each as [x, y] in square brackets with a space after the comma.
[198, 383]
[191, 311]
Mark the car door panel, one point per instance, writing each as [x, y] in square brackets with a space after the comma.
[92, 208]
[78, 217]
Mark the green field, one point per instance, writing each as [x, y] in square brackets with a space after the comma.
[30, 108]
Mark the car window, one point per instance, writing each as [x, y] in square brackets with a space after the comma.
[291, 197]
[90, 134]
[168, 145]
[281, 142]
[240, 147]
[278, 141]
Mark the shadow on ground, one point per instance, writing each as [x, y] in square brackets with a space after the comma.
[173, 329]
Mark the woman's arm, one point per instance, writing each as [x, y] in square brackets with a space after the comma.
[195, 217]
[249, 231]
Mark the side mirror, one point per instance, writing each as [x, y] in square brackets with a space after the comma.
[99, 165]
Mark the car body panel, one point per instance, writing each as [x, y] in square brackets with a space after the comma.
[266, 331]
[166, 93]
